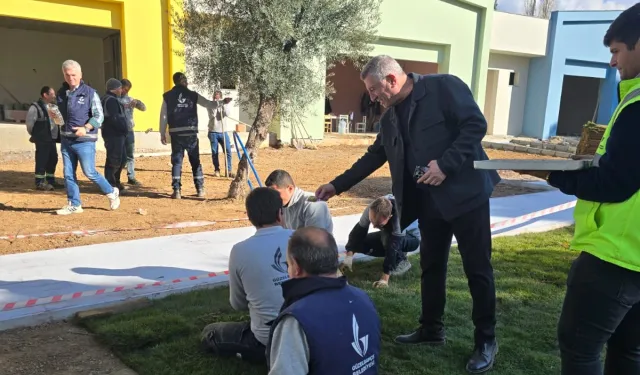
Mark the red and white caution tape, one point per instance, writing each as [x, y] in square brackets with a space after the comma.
[98, 292]
[72, 296]
[533, 215]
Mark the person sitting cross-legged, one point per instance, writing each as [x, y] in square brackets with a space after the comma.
[390, 242]
[257, 267]
[326, 326]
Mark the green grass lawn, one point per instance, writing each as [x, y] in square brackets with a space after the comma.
[530, 271]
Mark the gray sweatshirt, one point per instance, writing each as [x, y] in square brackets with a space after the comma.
[128, 109]
[301, 212]
[289, 349]
[217, 116]
[256, 269]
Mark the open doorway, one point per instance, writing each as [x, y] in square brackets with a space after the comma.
[578, 104]
[351, 96]
[37, 51]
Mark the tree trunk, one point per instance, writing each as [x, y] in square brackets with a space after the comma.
[257, 134]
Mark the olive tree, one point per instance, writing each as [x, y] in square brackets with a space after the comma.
[277, 50]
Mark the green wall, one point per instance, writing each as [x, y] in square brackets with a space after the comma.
[453, 33]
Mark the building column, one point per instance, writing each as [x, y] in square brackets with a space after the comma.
[608, 97]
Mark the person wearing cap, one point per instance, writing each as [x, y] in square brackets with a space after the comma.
[114, 132]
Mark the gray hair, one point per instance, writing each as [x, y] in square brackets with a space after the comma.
[71, 64]
[380, 67]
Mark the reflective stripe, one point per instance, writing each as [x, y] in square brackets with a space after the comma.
[41, 176]
[177, 178]
[183, 128]
[198, 178]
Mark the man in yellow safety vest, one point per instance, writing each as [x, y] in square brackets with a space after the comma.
[602, 302]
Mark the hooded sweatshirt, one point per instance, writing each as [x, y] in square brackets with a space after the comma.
[303, 212]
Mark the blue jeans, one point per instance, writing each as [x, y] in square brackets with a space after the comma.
[85, 153]
[130, 162]
[216, 138]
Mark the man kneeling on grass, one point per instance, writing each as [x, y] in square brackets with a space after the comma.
[390, 242]
[257, 267]
[301, 209]
[325, 326]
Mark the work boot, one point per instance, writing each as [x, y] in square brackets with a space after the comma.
[201, 193]
[422, 336]
[134, 182]
[176, 195]
[43, 186]
[231, 175]
[483, 357]
[56, 185]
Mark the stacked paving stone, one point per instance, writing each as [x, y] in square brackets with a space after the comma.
[534, 147]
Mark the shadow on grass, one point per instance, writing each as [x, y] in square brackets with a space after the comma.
[530, 275]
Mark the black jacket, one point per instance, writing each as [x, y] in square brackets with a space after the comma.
[115, 120]
[445, 124]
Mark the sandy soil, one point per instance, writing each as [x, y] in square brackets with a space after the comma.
[55, 349]
[23, 210]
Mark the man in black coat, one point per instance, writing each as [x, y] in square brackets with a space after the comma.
[430, 135]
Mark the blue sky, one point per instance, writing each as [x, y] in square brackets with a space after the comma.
[516, 6]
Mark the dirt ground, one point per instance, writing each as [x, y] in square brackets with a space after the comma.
[23, 210]
[55, 349]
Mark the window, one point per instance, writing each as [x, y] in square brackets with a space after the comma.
[513, 79]
[229, 84]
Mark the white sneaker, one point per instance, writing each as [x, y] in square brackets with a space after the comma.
[114, 199]
[70, 209]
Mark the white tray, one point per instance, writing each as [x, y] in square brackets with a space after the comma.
[532, 165]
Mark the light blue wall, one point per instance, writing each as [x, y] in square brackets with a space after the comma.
[574, 48]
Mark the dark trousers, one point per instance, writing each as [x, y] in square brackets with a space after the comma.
[190, 144]
[128, 161]
[46, 162]
[217, 139]
[230, 339]
[114, 144]
[601, 306]
[376, 243]
[473, 233]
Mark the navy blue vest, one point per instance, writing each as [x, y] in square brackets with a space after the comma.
[76, 111]
[342, 329]
[182, 114]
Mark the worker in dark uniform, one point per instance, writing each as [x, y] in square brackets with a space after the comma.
[180, 114]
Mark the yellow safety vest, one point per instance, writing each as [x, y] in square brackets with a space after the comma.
[611, 231]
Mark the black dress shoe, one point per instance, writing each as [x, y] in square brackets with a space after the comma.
[422, 337]
[483, 357]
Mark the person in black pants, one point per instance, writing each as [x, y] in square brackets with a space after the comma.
[114, 132]
[431, 134]
[179, 115]
[390, 242]
[44, 133]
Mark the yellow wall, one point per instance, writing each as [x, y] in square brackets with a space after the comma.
[147, 57]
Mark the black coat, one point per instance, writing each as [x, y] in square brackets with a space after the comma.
[445, 124]
[115, 120]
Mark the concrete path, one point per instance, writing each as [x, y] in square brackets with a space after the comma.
[50, 280]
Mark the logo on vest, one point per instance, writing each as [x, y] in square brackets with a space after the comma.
[182, 102]
[361, 345]
[277, 265]
[81, 100]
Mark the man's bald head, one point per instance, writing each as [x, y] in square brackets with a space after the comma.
[314, 250]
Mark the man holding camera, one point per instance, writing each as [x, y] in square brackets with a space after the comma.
[430, 135]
